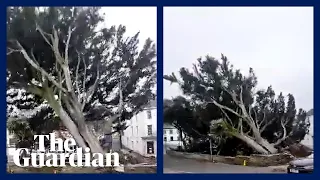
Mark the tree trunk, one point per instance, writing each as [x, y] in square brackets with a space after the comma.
[83, 129]
[182, 139]
[79, 131]
[258, 140]
[270, 147]
[90, 139]
[71, 126]
[263, 148]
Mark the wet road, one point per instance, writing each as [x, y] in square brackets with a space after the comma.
[180, 165]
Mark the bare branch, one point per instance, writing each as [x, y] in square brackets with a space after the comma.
[284, 136]
[59, 72]
[38, 28]
[66, 54]
[38, 68]
[84, 76]
[263, 119]
[233, 95]
[255, 120]
[230, 121]
[63, 62]
[244, 110]
[91, 90]
[77, 76]
[241, 96]
[120, 108]
[55, 48]
[226, 108]
[10, 51]
[255, 114]
[267, 124]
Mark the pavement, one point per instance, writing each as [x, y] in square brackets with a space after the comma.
[181, 165]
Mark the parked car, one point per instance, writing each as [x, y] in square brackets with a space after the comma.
[301, 165]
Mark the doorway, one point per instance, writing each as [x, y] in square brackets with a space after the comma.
[150, 147]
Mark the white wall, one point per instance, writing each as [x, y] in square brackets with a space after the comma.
[9, 137]
[10, 148]
[135, 137]
[308, 139]
[171, 134]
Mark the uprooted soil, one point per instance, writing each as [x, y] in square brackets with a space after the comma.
[126, 158]
[13, 169]
[130, 157]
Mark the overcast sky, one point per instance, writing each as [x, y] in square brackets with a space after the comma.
[277, 42]
[143, 19]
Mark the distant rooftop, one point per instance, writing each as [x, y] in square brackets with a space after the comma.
[310, 112]
[152, 104]
[167, 126]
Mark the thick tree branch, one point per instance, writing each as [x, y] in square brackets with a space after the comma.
[226, 108]
[91, 90]
[84, 76]
[230, 121]
[64, 62]
[267, 124]
[284, 135]
[37, 67]
[66, 54]
[38, 28]
[77, 76]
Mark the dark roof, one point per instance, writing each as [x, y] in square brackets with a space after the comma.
[167, 126]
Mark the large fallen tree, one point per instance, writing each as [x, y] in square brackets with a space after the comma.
[226, 100]
[59, 56]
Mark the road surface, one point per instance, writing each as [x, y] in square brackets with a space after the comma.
[181, 165]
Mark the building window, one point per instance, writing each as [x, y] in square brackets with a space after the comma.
[171, 138]
[179, 138]
[149, 114]
[164, 132]
[171, 131]
[165, 139]
[149, 130]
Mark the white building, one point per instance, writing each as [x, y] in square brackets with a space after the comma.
[171, 137]
[308, 139]
[141, 133]
[10, 136]
[10, 143]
